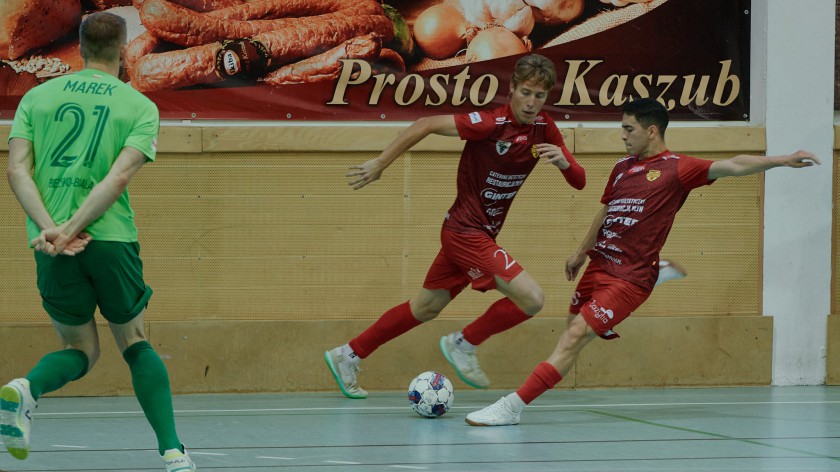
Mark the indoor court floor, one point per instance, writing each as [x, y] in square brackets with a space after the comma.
[711, 429]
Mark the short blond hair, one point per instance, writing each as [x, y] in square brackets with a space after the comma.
[534, 68]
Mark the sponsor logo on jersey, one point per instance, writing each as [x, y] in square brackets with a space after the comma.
[617, 178]
[491, 196]
[494, 212]
[475, 273]
[475, 117]
[636, 169]
[624, 220]
[521, 138]
[502, 147]
[653, 175]
[602, 314]
[610, 258]
[609, 234]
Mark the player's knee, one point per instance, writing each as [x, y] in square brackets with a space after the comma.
[427, 308]
[90, 349]
[92, 358]
[578, 332]
[426, 313]
[533, 302]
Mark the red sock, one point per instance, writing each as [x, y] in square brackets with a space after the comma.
[391, 324]
[501, 316]
[544, 377]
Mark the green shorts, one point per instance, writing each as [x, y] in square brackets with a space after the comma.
[106, 273]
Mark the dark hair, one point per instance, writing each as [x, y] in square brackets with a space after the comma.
[101, 35]
[536, 68]
[648, 112]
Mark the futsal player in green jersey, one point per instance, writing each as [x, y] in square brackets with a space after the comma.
[86, 135]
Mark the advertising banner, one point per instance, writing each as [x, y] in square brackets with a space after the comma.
[369, 60]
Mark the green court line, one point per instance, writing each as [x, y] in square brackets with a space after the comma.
[714, 435]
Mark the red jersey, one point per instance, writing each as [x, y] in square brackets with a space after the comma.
[497, 158]
[643, 198]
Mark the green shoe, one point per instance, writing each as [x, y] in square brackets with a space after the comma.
[16, 406]
[464, 362]
[344, 373]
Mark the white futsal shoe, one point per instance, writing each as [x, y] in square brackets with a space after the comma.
[177, 461]
[670, 270]
[344, 371]
[16, 407]
[497, 414]
[463, 361]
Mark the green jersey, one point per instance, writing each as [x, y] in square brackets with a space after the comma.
[78, 124]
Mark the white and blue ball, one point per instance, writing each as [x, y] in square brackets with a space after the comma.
[431, 394]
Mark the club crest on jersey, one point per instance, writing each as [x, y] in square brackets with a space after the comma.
[653, 175]
[502, 146]
[534, 152]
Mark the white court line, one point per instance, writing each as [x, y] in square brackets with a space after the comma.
[194, 453]
[278, 458]
[400, 408]
[408, 467]
[70, 447]
[343, 462]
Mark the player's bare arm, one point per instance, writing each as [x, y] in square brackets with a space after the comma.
[747, 165]
[578, 258]
[370, 171]
[21, 162]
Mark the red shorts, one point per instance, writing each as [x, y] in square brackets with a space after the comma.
[466, 258]
[605, 300]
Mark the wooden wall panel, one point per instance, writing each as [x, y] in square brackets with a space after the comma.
[835, 237]
[170, 139]
[735, 139]
[681, 352]
[260, 242]
[833, 332]
[319, 138]
[832, 360]
[238, 226]
[24, 345]
[716, 235]
[281, 356]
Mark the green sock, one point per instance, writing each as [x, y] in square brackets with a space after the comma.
[56, 370]
[151, 386]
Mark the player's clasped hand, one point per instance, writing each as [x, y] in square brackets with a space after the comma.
[554, 155]
[54, 242]
[363, 174]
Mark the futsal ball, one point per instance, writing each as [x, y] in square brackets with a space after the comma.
[431, 394]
